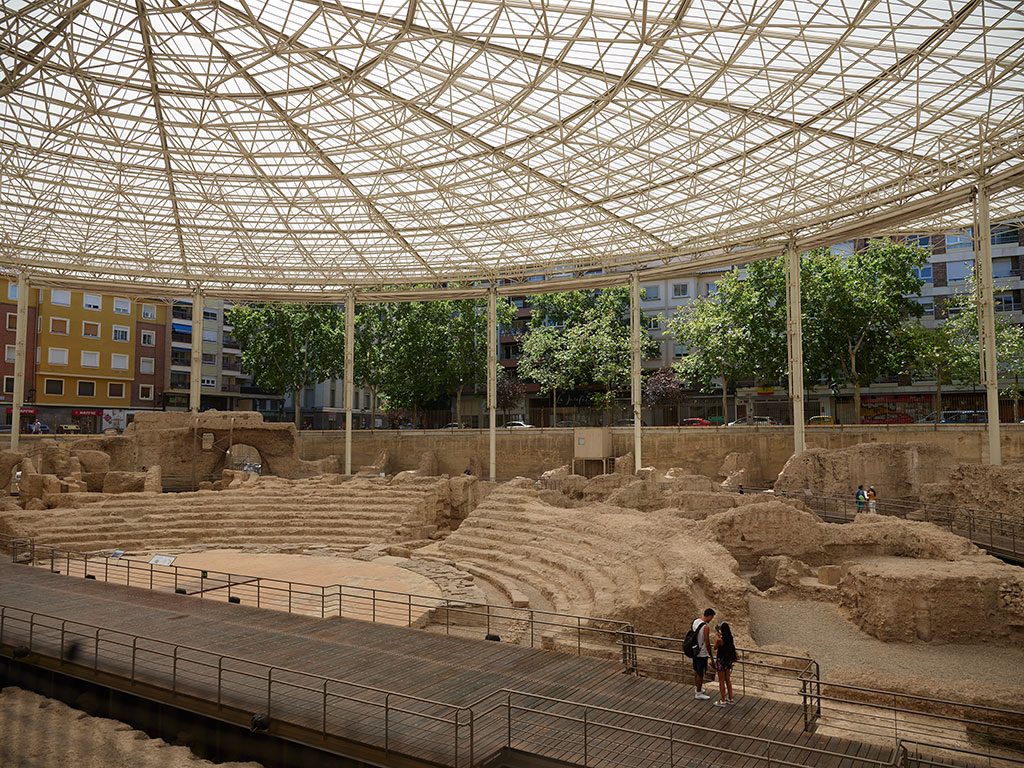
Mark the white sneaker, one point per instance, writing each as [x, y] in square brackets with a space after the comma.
[701, 695]
[721, 703]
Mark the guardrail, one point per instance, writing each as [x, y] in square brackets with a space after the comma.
[397, 723]
[796, 679]
[995, 532]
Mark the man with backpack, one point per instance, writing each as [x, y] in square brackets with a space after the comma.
[697, 645]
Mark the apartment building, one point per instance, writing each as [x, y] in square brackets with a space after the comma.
[9, 310]
[91, 358]
[224, 385]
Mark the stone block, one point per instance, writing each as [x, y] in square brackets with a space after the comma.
[829, 575]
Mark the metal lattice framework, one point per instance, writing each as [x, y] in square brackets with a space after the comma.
[304, 147]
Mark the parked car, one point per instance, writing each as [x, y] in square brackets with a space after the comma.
[695, 422]
[956, 417]
[517, 425]
[454, 425]
[755, 421]
[628, 423]
[821, 420]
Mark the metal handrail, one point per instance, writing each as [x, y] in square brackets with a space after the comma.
[461, 715]
[977, 526]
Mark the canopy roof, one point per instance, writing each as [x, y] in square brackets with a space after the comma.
[302, 147]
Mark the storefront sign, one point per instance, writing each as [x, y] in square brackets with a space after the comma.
[85, 412]
[29, 411]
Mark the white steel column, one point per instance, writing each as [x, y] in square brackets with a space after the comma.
[350, 374]
[20, 344]
[492, 378]
[196, 375]
[987, 324]
[795, 346]
[634, 369]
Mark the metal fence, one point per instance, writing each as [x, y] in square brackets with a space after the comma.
[996, 532]
[396, 723]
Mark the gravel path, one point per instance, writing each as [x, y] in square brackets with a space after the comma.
[839, 646]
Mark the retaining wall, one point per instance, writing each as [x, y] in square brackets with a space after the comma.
[529, 452]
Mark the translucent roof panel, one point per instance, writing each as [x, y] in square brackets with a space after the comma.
[306, 146]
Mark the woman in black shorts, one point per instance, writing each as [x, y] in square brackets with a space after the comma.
[725, 657]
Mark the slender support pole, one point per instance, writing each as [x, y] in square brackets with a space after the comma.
[492, 378]
[20, 344]
[987, 324]
[634, 369]
[350, 374]
[795, 346]
[195, 382]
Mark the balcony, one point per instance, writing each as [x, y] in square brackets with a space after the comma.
[181, 313]
[229, 342]
[183, 338]
[231, 365]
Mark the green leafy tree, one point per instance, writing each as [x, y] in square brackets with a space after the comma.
[289, 347]
[579, 338]
[856, 306]
[717, 329]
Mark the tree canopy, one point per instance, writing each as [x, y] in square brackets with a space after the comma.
[288, 347]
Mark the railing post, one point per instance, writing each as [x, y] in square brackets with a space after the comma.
[31, 629]
[289, 597]
[220, 678]
[409, 598]
[135, 644]
[508, 712]
[447, 616]
[62, 625]
[472, 738]
[96, 652]
[387, 720]
[531, 628]
[129, 573]
[3, 618]
[579, 636]
[323, 602]
[270, 686]
[325, 710]
[586, 760]
[373, 606]
[106, 568]
[174, 671]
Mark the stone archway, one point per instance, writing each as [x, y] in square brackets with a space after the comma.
[242, 456]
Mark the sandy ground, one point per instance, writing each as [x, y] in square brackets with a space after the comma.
[367, 584]
[840, 647]
[36, 732]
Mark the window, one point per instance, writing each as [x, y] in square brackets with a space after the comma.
[9, 353]
[149, 311]
[91, 330]
[147, 364]
[651, 292]
[92, 301]
[119, 362]
[8, 384]
[921, 241]
[57, 356]
[53, 386]
[1003, 268]
[120, 333]
[148, 338]
[115, 389]
[12, 291]
[209, 335]
[90, 359]
[12, 321]
[928, 305]
[924, 273]
[1004, 234]
[122, 306]
[650, 322]
[209, 358]
[209, 314]
[87, 389]
[180, 380]
[208, 381]
[963, 240]
[59, 326]
[61, 299]
[145, 391]
[959, 270]
[680, 290]
[678, 351]
[711, 289]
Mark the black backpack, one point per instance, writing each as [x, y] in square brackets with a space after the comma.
[691, 643]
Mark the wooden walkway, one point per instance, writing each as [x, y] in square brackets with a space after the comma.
[409, 663]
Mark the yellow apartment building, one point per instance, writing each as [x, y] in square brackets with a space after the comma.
[90, 350]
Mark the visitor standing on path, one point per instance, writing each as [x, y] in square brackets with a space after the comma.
[861, 498]
[725, 657]
[703, 651]
[872, 499]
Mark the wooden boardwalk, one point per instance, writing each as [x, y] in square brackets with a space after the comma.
[367, 660]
